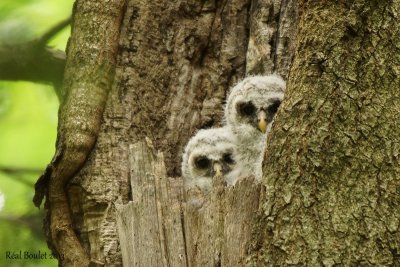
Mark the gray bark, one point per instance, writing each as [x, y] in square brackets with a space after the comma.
[150, 227]
[332, 167]
[273, 28]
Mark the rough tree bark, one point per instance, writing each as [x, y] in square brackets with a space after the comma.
[332, 166]
[88, 76]
[176, 61]
[273, 28]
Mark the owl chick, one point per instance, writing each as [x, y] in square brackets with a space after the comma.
[208, 152]
[249, 113]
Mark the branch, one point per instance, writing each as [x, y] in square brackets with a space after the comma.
[33, 61]
[13, 170]
[32, 221]
[17, 173]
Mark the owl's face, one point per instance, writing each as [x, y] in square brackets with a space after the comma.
[253, 103]
[207, 152]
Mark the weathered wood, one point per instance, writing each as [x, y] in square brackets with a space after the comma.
[241, 214]
[217, 228]
[150, 226]
[286, 37]
[273, 28]
[263, 28]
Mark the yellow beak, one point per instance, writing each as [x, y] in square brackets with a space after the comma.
[217, 169]
[262, 121]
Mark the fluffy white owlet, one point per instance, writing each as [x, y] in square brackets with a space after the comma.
[249, 113]
[203, 151]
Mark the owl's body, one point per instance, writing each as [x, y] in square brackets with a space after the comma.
[204, 150]
[249, 112]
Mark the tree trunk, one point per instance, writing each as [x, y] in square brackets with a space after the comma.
[273, 27]
[176, 61]
[175, 64]
[332, 166]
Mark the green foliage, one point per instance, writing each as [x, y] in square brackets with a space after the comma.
[28, 123]
[24, 20]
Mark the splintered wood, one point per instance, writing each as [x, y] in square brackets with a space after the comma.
[160, 228]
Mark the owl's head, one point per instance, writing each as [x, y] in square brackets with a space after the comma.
[253, 103]
[209, 151]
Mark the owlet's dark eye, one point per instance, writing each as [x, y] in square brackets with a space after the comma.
[246, 109]
[273, 108]
[227, 158]
[202, 162]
